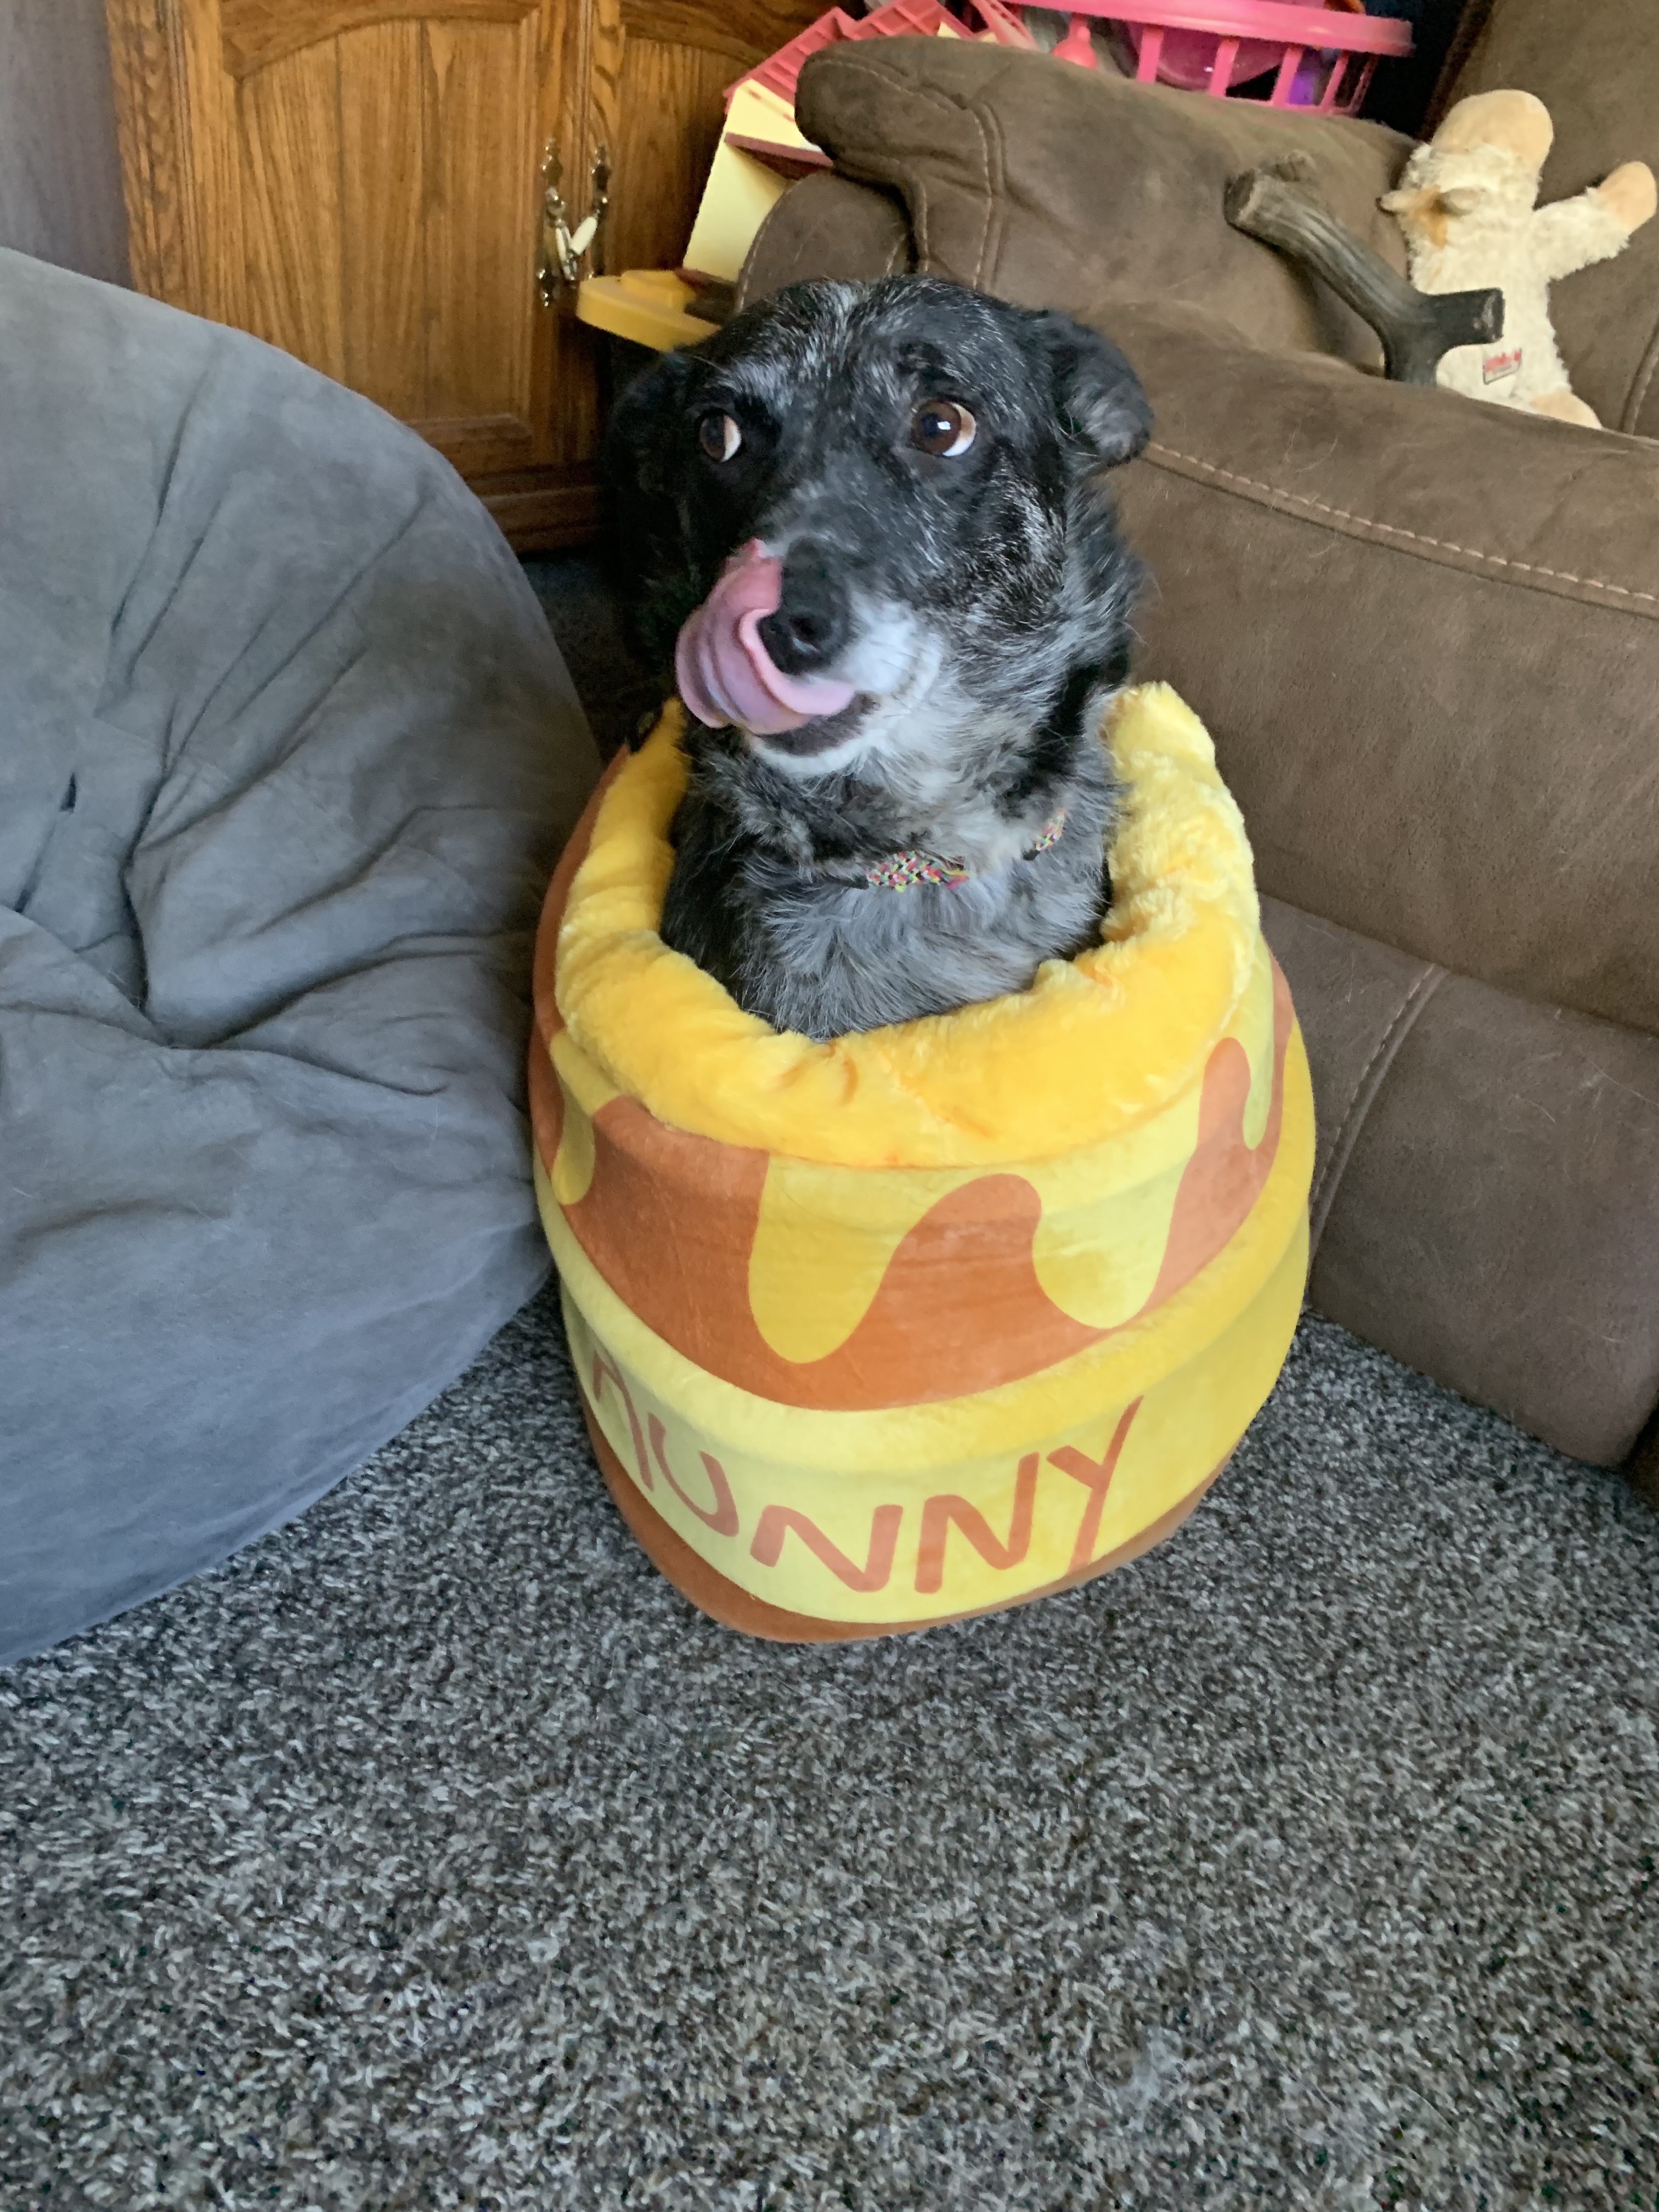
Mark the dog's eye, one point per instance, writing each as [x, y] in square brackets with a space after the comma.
[943, 428]
[719, 436]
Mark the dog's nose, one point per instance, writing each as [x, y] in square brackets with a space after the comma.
[810, 626]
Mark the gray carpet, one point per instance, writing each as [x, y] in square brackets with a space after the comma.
[433, 1853]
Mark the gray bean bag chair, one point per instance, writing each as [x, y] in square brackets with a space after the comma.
[286, 757]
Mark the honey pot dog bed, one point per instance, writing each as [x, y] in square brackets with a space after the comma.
[930, 1321]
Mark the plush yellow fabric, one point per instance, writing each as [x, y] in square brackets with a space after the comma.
[1094, 1046]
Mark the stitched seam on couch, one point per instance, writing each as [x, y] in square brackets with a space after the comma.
[985, 189]
[742, 298]
[1363, 1096]
[1531, 575]
[990, 131]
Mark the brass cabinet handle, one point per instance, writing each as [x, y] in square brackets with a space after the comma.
[558, 268]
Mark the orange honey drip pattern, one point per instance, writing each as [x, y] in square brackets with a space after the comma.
[669, 1220]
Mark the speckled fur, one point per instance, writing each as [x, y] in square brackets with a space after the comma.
[991, 600]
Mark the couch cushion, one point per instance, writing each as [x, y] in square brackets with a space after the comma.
[1595, 67]
[1050, 185]
[1485, 1200]
[286, 753]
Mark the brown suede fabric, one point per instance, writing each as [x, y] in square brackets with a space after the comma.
[1052, 185]
[1595, 67]
[1426, 636]
[1486, 1200]
[826, 227]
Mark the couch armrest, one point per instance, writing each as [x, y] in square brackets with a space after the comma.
[826, 226]
[1049, 185]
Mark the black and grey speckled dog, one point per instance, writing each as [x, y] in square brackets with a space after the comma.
[918, 469]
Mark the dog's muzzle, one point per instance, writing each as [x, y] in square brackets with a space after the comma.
[725, 672]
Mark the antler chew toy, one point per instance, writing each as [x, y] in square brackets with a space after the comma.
[1416, 328]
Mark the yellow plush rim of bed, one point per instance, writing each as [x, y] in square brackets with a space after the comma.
[1097, 1045]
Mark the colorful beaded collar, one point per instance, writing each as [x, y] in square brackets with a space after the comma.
[903, 871]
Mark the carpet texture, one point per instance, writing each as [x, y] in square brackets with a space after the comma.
[433, 1853]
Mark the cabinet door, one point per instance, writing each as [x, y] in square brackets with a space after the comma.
[659, 69]
[359, 182]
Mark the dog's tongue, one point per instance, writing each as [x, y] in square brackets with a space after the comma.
[727, 675]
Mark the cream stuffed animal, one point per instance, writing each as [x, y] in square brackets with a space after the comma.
[1466, 204]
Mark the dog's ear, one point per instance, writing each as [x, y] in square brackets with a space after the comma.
[641, 440]
[644, 543]
[1098, 394]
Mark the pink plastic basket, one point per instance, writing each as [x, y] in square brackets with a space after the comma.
[780, 72]
[1322, 57]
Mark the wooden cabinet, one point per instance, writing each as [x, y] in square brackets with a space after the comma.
[360, 182]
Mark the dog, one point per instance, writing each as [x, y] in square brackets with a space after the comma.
[868, 523]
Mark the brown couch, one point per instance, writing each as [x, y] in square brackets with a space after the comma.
[1425, 634]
